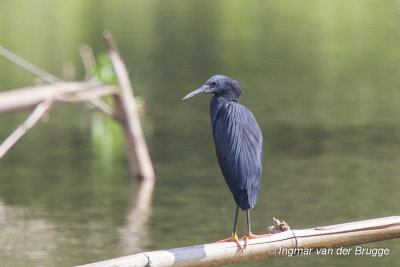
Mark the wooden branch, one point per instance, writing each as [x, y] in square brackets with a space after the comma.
[37, 113]
[87, 56]
[139, 156]
[59, 91]
[27, 98]
[88, 60]
[43, 97]
[286, 243]
[48, 77]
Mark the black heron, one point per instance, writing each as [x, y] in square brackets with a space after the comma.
[238, 144]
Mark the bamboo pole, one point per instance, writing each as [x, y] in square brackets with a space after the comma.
[125, 104]
[30, 97]
[282, 244]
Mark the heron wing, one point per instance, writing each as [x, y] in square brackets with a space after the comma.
[238, 143]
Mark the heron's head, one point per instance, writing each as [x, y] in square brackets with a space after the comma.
[220, 85]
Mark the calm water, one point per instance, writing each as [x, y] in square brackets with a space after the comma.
[322, 78]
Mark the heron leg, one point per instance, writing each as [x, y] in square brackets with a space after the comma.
[234, 236]
[235, 221]
[249, 234]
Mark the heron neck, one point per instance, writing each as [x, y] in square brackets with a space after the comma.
[230, 95]
[216, 103]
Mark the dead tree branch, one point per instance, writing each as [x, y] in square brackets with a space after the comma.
[37, 113]
[127, 113]
[26, 65]
[27, 98]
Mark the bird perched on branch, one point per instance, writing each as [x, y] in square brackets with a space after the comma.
[238, 144]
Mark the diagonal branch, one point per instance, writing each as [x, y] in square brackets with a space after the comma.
[42, 97]
[48, 77]
[26, 65]
[37, 113]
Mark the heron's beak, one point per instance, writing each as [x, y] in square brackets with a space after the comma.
[203, 89]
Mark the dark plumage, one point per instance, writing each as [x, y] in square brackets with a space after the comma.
[238, 143]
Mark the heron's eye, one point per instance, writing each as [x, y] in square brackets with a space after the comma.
[214, 83]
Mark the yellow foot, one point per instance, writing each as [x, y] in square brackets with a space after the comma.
[250, 235]
[234, 238]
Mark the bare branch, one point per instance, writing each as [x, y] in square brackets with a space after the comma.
[37, 113]
[88, 60]
[48, 77]
[103, 106]
[127, 111]
[25, 98]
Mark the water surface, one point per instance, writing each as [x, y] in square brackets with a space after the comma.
[322, 79]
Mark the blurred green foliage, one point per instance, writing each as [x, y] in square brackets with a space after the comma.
[104, 71]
